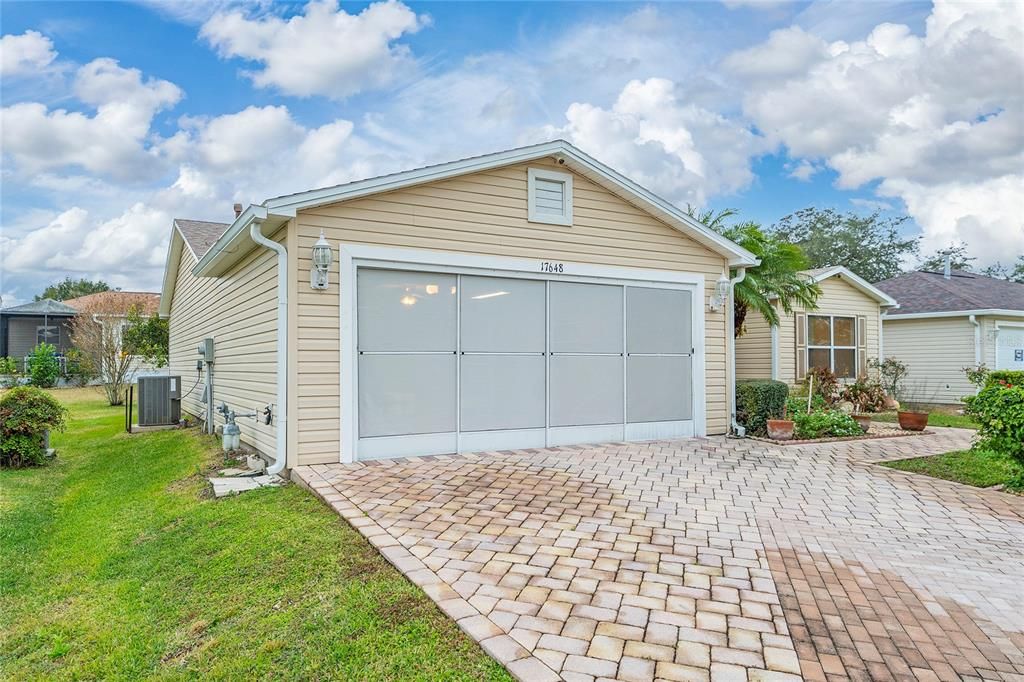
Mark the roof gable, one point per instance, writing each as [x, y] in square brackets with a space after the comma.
[46, 306]
[277, 210]
[818, 275]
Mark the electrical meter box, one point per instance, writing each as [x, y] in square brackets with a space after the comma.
[205, 350]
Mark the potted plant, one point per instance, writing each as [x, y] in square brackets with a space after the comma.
[866, 397]
[912, 421]
[780, 429]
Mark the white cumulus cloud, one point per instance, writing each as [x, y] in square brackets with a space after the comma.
[25, 54]
[324, 51]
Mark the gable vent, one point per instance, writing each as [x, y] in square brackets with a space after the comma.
[550, 197]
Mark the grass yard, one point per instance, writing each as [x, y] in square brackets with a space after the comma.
[114, 564]
[938, 415]
[978, 468]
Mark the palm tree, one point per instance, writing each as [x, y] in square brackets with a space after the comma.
[776, 282]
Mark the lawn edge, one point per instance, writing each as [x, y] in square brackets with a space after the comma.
[470, 620]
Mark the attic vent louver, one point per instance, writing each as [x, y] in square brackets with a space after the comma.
[550, 196]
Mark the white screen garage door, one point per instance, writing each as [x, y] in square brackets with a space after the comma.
[458, 362]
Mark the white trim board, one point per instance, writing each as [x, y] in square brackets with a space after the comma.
[994, 312]
[353, 256]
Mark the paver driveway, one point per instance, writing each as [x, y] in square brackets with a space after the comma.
[705, 558]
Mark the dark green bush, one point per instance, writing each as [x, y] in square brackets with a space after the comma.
[757, 401]
[1014, 377]
[999, 410]
[43, 368]
[798, 405]
[825, 424]
[26, 413]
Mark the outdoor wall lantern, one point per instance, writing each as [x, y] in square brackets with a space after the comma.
[322, 258]
[721, 294]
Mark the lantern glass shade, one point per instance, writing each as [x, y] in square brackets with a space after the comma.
[722, 287]
[322, 257]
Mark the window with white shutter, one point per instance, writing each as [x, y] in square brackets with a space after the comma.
[550, 197]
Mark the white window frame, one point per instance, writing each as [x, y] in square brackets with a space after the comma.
[56, 332]
[534, 174]
[832, 347]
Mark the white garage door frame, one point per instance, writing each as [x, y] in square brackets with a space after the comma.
[354, 256]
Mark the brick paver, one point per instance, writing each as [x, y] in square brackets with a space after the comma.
[705, 558]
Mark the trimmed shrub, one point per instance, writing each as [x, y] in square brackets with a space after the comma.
[825, 424]
[999, 410]
[757, 401]
[43, 369]
[1013, 377]
[26, 413]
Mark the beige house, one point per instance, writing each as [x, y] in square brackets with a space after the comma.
[842, 333]
[948, 321]
[527, 298]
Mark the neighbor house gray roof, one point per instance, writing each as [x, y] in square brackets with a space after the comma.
[47, 306]
[930, 292]
[200, 235]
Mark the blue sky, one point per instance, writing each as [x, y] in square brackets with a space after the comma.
[119, 116]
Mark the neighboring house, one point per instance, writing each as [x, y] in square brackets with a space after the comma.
[112, 308]
[842, 333]
[948, 321]
[23, 327]
[519, 299]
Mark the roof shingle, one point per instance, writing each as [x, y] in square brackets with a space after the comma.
[200, 235]
[924, 291]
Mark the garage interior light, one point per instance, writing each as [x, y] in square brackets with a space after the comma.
[491, 295]
[407, 300]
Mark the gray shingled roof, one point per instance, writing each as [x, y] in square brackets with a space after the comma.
[47, 306]
[929, 292]
[200, 235]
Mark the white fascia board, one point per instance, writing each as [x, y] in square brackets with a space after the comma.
[575, 159]
[858, 282]
[174, 249]
[236, 240]
[995, 312]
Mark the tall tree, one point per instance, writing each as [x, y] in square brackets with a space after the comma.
[1001, 271]
[73, 288]
[870, 246]
[958, 259]
[776, 281]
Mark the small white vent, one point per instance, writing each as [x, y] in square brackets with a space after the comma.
[550, 197]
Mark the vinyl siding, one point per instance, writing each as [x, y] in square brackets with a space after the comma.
[837, 298]
[239, 311]
[936, 351]
[483, 213]
[754, 349]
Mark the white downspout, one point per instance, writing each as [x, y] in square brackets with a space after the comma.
[282, 344]
[730, 327]
[775, 352]
[977, 343]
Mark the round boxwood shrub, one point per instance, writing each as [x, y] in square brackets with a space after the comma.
[757, 401]
[26, 413]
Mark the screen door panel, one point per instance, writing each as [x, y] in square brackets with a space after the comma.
[658, 388]
[406, 311]
[585, 318]
[406, 394]
[586, 389]
[502, 392]
[502, 315]
[658, 320]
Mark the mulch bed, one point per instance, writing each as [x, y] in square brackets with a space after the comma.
[875, 433]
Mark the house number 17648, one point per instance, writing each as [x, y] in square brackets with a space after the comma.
[547, 266]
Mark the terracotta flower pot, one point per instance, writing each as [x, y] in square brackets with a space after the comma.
[863, 421]
[912, 421]
[780, 429]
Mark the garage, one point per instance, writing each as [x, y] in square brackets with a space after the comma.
[455, 359]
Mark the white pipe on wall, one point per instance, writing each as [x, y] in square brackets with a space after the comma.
[281, 417]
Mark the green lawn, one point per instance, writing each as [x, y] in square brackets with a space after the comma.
[115, 564]
[938, 415]
[978, 468]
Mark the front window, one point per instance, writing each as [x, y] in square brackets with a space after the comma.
[832, 343]
[47, 334]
